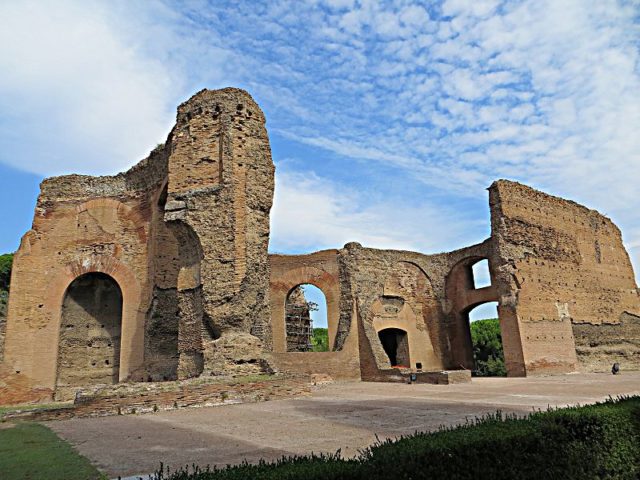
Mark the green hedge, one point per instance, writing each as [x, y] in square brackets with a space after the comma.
[600, 441]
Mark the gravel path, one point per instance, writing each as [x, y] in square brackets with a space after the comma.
[345, 416]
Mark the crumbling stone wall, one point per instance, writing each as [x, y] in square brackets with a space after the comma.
[3, 327]
[418, 294]
[564, 285]
[81, 225]
[393, 290]
[564, 274]
[219, 195]
[183, 234]
[325, 270]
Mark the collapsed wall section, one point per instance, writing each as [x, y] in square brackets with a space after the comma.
[566, 279]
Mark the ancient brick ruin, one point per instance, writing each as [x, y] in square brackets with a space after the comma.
[163, 273]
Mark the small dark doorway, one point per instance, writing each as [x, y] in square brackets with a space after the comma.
[396, 345]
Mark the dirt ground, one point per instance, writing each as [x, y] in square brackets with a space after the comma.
[345, 416]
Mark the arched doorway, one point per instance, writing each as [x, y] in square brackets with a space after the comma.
[306, 320]
[486, 340]
[396, 345]
[90, 331]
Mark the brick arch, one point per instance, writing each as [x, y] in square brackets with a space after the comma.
[292, 272]
[132, 333]
[464, 297]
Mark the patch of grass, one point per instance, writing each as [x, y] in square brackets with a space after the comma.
[29, 451]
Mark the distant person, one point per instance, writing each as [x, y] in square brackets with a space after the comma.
[616, 368]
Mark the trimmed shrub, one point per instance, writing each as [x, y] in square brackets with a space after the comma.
[312, 467]
[600, 441]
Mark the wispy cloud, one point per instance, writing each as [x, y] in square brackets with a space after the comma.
[91, 86]
[311, 212]
[441, 98]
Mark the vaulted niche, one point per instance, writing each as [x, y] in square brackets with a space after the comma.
[396, 345]
[90, 330]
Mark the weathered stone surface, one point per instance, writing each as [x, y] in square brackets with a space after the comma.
[127, 399]
[183, 234]
[560, 269]
[183, 237]
[558, 289]
[89, 344]
[3, 327]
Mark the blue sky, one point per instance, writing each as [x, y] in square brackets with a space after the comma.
[388, 120]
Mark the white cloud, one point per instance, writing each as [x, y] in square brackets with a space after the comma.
[311, 212]
[541, 91]
[78, 91]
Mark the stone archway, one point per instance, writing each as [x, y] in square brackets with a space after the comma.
[302, 334]
[287, 272]
[464, 297]
[90, 333]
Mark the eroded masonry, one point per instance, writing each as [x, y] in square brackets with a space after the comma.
[163, 273]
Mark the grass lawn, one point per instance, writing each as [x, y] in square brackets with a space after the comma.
[29, 451]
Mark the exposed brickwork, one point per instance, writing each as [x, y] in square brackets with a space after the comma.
[184, 236]
[563, 269]
[3, 328]
[89, 350]
[130, 400]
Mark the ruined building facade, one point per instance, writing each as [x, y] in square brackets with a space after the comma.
[163, 273]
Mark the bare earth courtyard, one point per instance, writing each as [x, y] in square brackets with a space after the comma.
[343, 415]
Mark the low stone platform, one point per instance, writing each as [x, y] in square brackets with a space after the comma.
[131, 398]
[441, 377]
[447, 377]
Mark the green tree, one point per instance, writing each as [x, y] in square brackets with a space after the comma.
[6, 261]
[320, 340]
[487, 348]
